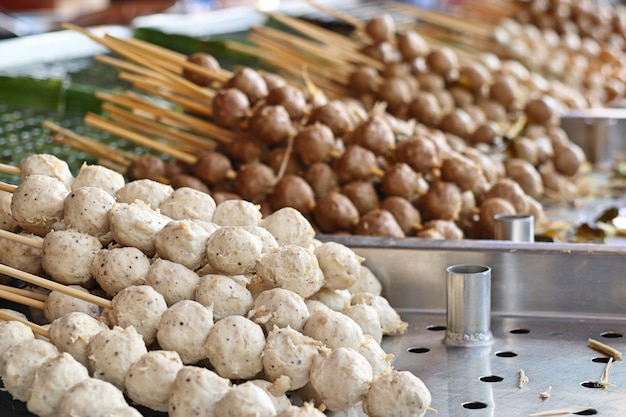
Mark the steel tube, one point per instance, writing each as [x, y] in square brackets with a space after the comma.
[515, 227]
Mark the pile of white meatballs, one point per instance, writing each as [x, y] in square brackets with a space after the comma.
[215, 309]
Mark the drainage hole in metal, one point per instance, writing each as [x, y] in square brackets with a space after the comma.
[601, 360]
[519, 330]
[435, 328]
[506, 354]
[491, 378]
[611, 335]
[418, 350]
[592, 384]
[587, 412]
[474, 405]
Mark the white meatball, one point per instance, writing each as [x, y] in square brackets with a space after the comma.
[150, 379]
[136, 225]
[7, 222]
[51, 381]
[234, 347]
[21, 361]
[68, 255]
[113, 351]
[289, 227]
[314, 305]
[397, 394]
[21, 256]
[118, 268]
[100, 177]
[340, 264]
[196, 391]
[334, 299]
[276, 392]
[72, 332]
[183, 328]
[13, 313]
[367, 318]
[334, 329]
[366, 282]
[290, 353]
[233, 251]
[237, 213]
[390, 320]
[87, 210]
[245, 400]
[172, 280]
[279, 307]
[225, 295]
[59, 304]
[183, 242]
[269, 241]
[307, 410]
[49, 165]
[375, 355]
[150, 192]
[11, 333]
[140, 306]
[37, 203]
[188, 203]
[291, 267]
[91, 398]
[341, 393]
[126, 411]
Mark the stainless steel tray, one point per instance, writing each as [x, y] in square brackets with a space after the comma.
[547, 300]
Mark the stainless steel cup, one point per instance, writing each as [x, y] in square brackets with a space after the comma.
[515, 227]
[468, 305]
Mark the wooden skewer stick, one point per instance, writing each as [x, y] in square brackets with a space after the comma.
[21, 299]
[7, 187]
[339, 15]
[54, 286]
[37, 329]
[25, 293]
[24, 240]
[10, 169]
[92, 119]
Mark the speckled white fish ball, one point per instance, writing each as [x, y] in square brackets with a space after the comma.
[150, 379]
[68, 255]
[172, 280]
[233, 251]
[334, 329]
[59, 304]
[306, 410]
[7, 222]
[183, 242]
[72, 332]
[340, 264]
[11, 333]
[183, 328]
[98, 176]
[397, 394]
[226, 296]
[136, 225]
[188, 203]
[375, 355]
[334, 299]
[279, 307]
[49, 165]
[120, 267]
[150, 192]
[245, 400]
[289, 227]
[87, 210]
[237, 213]
[22, 256]
[366, 282]
[37, 203]
[367, 318]
[91, 398]
[196, 391]
[140, 306]
[390, 320]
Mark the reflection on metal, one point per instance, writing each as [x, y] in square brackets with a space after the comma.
[515, 227]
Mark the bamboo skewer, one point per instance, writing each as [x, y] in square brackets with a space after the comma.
[25, 293]
[37, 329]
[24, 240]
[20, 299]
[10, 169]
[54, 286]
[7, 187]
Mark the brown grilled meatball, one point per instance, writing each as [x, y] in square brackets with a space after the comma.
[272, 124]
[462, 96]
[425, 108]
[250, 82]
[419, 153]
[396, 92]
[526, 175]
[505, 91]
[381, 28]
[383, 51]
[474, 76]
[488, 210]
[230, 107]
[276, 158]
[411, 45]
[494, 111]
[273, 80]
[407, 216]
[322, 178]
[431, 82]
[146, 166]
[314, 143]
[362, 194]
[378, 223]
[458, 122]
[488, 133]
[569, 159]
[175, 168]
[335, 115]
[464, 172]
[213, 168]
[442, 201]
[291, 98]
[526, 149]
[293, 191]
[244, 150]
[204, 60]
[356, 164]
[364, 79]
[335, 213]
[511, 191]
[447, 228]
[542, 111]
[374, 134]
[254, 181]
[183, 180]
[402, 181]
[442, 60]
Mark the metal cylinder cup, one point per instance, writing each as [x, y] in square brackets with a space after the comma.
[515, 227]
